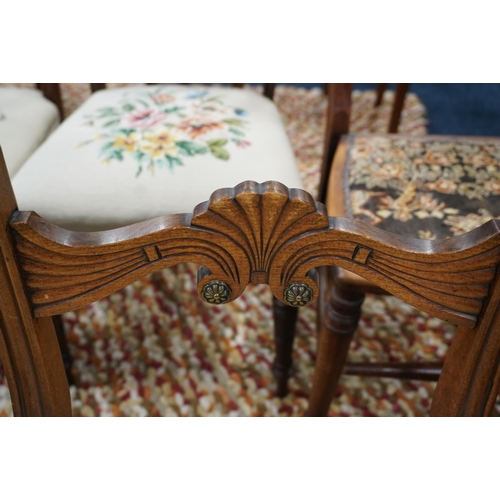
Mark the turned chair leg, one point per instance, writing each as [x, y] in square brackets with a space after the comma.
[285, 319]
[63, 345]
[343, 310]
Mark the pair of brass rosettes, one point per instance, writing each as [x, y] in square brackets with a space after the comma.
[295, 294]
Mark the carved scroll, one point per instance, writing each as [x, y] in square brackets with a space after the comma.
[256, 233]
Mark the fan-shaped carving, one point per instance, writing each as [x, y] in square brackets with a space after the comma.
[260, 233]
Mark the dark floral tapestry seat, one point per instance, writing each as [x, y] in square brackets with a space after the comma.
[427, 187]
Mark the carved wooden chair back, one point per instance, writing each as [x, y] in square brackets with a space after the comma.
[455, 280]
[46, 270]
[134, 153]
[259, 233]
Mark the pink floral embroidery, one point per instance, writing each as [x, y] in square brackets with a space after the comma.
[162, 129]
[143, 118]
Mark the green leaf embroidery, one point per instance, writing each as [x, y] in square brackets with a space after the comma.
[213, 99]
[111, 123]
[190, 148]
[139, 155]
[114, 135]
[221, 153]
[106, 146]
[236, 131]
[235, 122]
[216, 143]
[175, 109]
[126, 131]
[161, 162]
[118, 154]
[173, 161]
[216, 148]
[107, 114]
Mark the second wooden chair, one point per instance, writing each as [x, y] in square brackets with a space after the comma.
[430, 188]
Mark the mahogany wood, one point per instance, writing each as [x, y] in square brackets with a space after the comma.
[94, 87]
[406, 370]
[285, 318]
[52, 92]
[399, 101]
[29, 351]
[338, 116]
[339, 322]
[337, 193]
[335, 183]
[63, 346]
[268, 90]
[381, 88]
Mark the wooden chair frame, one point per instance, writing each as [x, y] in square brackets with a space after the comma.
[52, 92]
[345, 292]
[258, 233]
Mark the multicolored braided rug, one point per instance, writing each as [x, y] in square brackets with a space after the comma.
[155, 348]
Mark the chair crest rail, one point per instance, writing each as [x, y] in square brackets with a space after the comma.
[256, 233]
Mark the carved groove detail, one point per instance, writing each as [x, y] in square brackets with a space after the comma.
[361, 254]
[260, 233]
[153, 253]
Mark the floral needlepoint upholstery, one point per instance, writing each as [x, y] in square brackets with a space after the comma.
[26, 120]
[160, 128]
[129, 154]
[427, 187]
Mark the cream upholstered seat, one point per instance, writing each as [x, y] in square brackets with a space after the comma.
[26, 120]
[132, 153]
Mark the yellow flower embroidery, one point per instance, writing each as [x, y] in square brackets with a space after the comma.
[159, 144]
[127, 142]
[161, 129]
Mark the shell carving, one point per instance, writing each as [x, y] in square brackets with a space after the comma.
[257, 221]
[256, 233]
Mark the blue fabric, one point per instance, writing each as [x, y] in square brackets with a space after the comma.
[458, 108]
